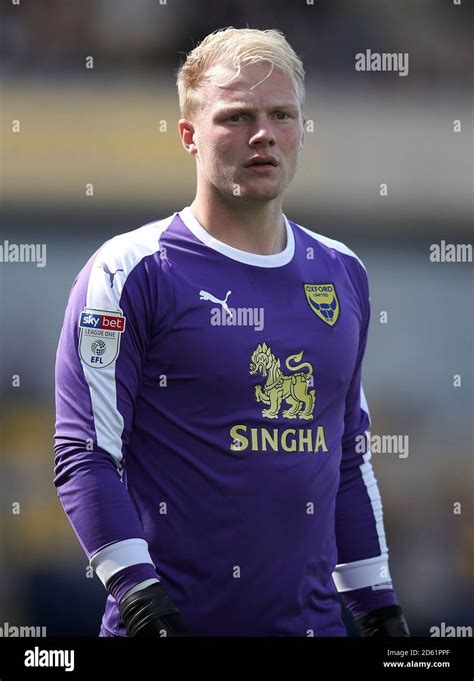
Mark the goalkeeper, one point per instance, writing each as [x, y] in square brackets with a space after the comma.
[210, 409]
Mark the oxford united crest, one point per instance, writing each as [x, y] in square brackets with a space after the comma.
[322, 299]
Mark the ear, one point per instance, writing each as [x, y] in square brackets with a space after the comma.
[187, 134]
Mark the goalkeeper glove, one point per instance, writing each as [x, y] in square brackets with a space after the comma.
[383, 623]
[150, 613]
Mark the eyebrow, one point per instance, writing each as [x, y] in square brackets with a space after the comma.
[248, 109]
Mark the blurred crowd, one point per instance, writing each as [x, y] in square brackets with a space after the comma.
[51, 37]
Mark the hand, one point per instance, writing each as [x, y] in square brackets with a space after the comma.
[150, 613]
[383, 623]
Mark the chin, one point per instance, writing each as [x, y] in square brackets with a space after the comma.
[262, 188]
[264, 194]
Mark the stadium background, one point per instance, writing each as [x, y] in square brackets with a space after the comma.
[103, 126]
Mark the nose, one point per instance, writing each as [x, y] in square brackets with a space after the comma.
[263, 133]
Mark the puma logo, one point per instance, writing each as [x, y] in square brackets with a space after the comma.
[205, 295]
[110, 274]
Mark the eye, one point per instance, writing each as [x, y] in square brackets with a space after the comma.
[283, 114]
[233, 116]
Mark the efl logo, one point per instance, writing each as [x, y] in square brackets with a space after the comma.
[101, 321]
[100, 334]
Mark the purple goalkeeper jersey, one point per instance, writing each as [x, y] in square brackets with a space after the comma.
[211, 427]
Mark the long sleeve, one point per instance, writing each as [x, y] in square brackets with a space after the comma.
[362, 574]
[99, 362]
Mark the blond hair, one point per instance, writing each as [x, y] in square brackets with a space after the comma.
[234, 47]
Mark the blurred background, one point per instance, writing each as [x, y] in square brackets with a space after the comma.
[114, 126]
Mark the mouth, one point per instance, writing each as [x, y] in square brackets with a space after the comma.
[261, 168]
[266, 168]
[264, 162]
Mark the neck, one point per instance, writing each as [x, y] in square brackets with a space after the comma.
[255, 227]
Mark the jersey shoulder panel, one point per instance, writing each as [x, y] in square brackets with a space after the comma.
[331, 243]
[117, 258]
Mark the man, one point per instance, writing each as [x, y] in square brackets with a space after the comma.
[209, 399]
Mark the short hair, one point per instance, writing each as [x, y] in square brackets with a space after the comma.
[234, 47]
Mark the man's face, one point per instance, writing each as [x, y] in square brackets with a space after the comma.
[237, 123]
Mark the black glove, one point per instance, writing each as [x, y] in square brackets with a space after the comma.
[150, 613]
[383, 623]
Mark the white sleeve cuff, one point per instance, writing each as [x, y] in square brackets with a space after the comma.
[361, 573]
[115, 557]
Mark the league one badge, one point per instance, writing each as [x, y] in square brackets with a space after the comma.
[99, 340]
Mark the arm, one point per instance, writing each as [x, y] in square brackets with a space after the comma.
[95, 407]
[362, 574]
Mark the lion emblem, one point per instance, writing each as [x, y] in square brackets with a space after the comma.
[278, 387]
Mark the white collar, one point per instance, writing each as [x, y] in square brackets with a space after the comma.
[274, 260]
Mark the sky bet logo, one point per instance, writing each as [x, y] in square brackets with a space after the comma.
[102, 321]
[100, 333]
